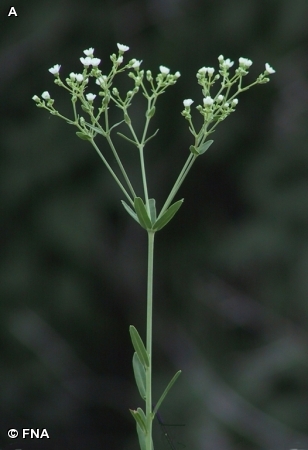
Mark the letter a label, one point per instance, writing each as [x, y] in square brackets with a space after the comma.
[12, 12]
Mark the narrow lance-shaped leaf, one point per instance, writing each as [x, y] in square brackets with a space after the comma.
[125, 137]
[142, 213]
[130, 211]
[139, 346]
[171, 383]
[140, 377]
[139, 418]
[83, 136]
[204, 147]
[167, 216]
[96, 129]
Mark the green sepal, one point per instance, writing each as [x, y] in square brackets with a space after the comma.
[193, 150]
[152, 209]
[171, 383]
[139, 373]
[139, 347]
[142, 214]
[204, 147]
[139, 417]
[167, 216]
[83, 136]
[151, 113]
[130, 211]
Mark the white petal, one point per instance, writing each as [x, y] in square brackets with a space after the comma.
[188, 102]
[164, 70]
[122, 48]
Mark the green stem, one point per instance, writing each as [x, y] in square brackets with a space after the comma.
[130, 187]
[112, 172]
[186, 168]
[149, 417]
[144, 178]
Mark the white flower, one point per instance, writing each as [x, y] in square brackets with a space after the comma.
[86, 61]
[89, 52]
[220, 98]
[202, 70]
[135, 63]
[245, 62]
[55, 69]
[188, 102]
[79, 77]
[90, 97]
[122, 48]
[101, 80]
[234, 102]
[73, 76]
[227, 63]
[269, 69]
[164, 70]
[220, 58]
[120, 60]
[35, 98]
[177, 74]
[210, 70]
[95, 62]
[208, 101]
[226, 105]
[46, 95]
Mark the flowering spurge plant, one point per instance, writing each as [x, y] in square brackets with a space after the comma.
[90, 115]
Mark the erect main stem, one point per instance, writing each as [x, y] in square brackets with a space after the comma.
[151, 235]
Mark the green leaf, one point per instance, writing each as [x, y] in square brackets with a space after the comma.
[167, 216]
[204, 147]
[193, 150]
[151, 137]
[139, 373]
[139, 417]
[139, 346]
[115, 125]
[83, 136]
[97, 130]
[142, 214]
[152, 209]
[130, 211]
[171, 383]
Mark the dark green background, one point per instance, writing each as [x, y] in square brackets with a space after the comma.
[231, 278]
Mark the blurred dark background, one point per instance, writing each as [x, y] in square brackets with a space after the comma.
[231, 278]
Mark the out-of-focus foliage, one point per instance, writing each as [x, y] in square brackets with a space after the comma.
[231, 281]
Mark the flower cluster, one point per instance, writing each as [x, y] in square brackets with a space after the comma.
[77, 83]
[216, 108]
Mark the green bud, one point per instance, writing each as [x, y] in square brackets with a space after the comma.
[151, 113]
